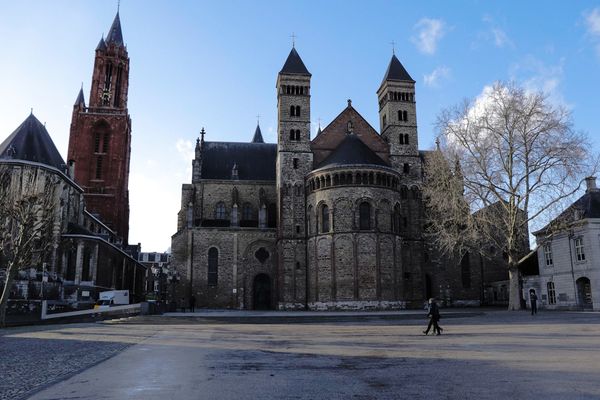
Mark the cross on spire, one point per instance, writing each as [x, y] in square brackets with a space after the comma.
[319, 119]
[118, 5]
[202, 133]
[257, 119]
[393, 47]
[293, 36]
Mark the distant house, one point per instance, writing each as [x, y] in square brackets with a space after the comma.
[83, 258]
[569, 256]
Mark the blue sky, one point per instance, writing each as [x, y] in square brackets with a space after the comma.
[214, 64]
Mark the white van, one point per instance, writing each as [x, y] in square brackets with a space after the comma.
[112, 298]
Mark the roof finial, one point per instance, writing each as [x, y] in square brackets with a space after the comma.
[293, 36]
[31, 113]
[437, 143]
[202, 133]
[393, 47]
[257, 119]
[118, 5]
[349, 102]
[81, 85]
[319, 119]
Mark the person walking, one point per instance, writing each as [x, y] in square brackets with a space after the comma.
[192, 304]
[433, 312]
[533, 300]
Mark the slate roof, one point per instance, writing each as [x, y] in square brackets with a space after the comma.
[101, 45]
[255, 161]
[350, 151]
[31, 142]
[114, 34]
[80, 99]
[257, 135]
[396, 71]
[294, 64]
[587, 206]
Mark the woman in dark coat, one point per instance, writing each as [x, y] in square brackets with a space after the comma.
[434, 316]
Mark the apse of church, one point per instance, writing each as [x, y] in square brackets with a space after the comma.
[335, 222]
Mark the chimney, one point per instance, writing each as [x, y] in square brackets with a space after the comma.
[590, 182]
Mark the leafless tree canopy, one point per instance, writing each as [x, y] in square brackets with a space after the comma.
[26, 222]
[507, 160]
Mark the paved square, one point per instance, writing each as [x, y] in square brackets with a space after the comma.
[490, 355]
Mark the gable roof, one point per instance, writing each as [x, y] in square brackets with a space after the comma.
[396, 71]
[335, 133]
[254, 161]
[31, 142]
[352, 151]
[294, 64]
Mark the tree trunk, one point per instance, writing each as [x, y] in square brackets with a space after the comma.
[515, 288]
[5, 294]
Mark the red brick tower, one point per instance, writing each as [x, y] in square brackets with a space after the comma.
[100, 138]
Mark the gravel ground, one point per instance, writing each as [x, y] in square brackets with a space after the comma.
[32, 358]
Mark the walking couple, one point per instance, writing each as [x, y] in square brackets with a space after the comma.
[433, 312]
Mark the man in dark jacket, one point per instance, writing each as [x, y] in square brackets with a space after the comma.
[433, 312]
[533, 299]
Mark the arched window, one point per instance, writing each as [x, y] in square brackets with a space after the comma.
[365, 216]
[551, 293]
[396, 219]
[404, 116]
[324, 218]
[247, 212]
[213, 266]
[99, 167]
[297, 134]
[399, 115]
[292, 135]
[292, 111]
[406, 138]
[220, 211]
[401, 138]
[297, 111]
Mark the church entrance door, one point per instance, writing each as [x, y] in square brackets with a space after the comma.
[262, 292]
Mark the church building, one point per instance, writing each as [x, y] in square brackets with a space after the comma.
[100, 138]
[333, 222]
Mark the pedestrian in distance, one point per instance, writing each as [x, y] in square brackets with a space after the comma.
[433, 312]
[192, 303]
[533, 300]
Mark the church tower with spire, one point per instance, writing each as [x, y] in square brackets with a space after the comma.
[100, 136]
[294, 162]
[398, 118]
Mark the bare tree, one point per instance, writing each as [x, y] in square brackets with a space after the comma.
[26, 224]
[506, 161]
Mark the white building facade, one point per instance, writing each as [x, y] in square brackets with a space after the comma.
[569, 257]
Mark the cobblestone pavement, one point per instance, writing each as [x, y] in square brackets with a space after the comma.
[32, 358]
[491, 356]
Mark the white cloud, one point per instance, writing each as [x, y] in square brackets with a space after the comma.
[430, 33]
[437, 75]
[495, 34]
[592, 21]
[185, 148]
[535, 75]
